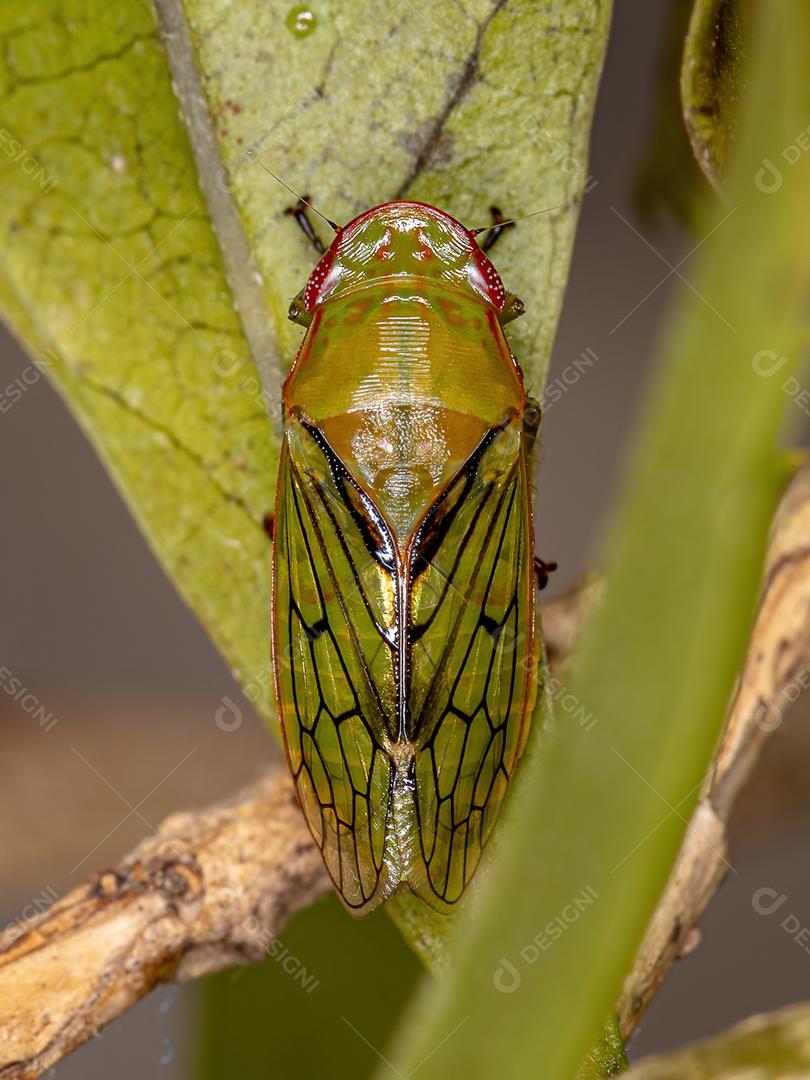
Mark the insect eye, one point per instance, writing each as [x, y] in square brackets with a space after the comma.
[297, 311]
[532, 416]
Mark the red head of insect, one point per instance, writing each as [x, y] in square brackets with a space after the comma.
[408, 241]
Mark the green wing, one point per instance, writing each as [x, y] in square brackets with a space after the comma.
[472, 659]
[395, 793]
[334, 615]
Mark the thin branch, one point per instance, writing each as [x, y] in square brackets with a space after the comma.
[769, 1045]
[211, 891]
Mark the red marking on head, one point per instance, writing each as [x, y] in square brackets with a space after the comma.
[314, 287]
[404, 234]
[490, 283]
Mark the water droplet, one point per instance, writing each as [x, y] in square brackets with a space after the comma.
[169, 1051]
[301, 21]
[169, 999]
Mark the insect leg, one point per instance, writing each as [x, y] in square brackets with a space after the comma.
[299, 212]
[542, 569]
[500, 226]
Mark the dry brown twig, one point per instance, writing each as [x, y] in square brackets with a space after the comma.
[209, 891]
[215, 886]
[749, 1050]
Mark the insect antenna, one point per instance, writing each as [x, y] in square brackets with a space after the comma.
[511, 221]
[292, 191]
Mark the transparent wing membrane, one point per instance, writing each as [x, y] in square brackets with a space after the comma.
[472, 659]
[335, 680]
[404, 679]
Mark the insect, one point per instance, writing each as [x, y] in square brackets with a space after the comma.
[404, 643]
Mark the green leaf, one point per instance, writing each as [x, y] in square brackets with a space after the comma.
[713, 81]
[110, 260]
[112, 275]
[602, 804]
[297, 1014]
[460, 104]
[168, 342]
[668, 180]
[775, 1045]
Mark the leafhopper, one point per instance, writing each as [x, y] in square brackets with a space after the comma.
[403, 559]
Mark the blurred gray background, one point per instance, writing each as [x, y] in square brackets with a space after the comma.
[92, 626]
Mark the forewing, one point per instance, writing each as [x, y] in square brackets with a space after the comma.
[472, 659]
[333, 615]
